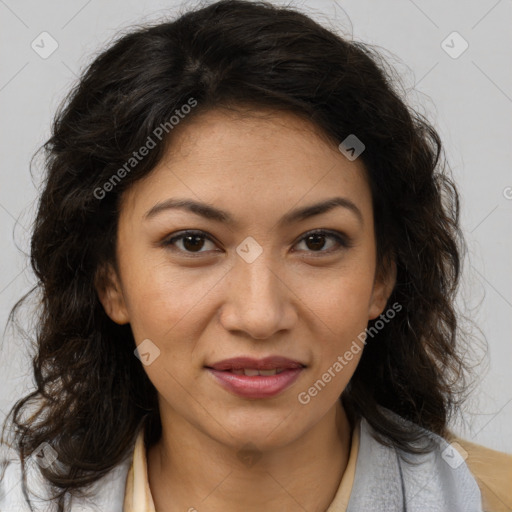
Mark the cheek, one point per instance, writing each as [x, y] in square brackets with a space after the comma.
[165, 303]
[167, 306]
[337, 309]
[339, 297]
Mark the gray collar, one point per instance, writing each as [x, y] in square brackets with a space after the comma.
[438, 481]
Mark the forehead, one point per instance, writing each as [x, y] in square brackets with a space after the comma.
[226, 134]
[250, 159]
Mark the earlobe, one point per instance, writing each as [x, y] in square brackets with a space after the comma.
[110, 295]
[383, 287]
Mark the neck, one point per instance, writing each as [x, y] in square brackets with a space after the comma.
[188, 470]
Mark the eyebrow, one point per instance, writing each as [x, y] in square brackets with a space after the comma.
[212, 213]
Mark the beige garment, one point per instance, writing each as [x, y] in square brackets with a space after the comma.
[138, 497]
[492, 471]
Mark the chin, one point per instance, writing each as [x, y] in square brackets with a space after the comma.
[274, 431]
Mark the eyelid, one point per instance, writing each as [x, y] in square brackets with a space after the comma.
[168, 241]
[343, 240]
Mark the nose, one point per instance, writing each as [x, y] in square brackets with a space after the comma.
[258, 301]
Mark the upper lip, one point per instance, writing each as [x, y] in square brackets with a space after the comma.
[267, 363]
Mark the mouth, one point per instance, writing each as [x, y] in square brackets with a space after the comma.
[243, 363]
[256, 378]
[252, 372]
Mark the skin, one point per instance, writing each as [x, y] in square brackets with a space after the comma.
[307, 301]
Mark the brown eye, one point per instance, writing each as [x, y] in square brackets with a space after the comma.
[191, 242]
[317, 240]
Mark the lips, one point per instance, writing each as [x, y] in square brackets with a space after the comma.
[278, 363]
[256, 378]
[251, 372]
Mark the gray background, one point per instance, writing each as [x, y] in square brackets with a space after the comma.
[468, 98]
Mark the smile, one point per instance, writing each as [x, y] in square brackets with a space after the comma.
[252, 372]
[252, 383]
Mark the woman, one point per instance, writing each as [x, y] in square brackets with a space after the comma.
[247, 248]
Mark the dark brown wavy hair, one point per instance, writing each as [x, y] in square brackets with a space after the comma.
[91, 394]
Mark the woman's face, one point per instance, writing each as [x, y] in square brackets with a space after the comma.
[251, 281]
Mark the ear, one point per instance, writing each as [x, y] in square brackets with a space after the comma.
[384, 283]
[108, 288]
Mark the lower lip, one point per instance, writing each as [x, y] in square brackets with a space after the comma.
[257, 386]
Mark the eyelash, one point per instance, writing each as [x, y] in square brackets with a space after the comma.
[338, 237]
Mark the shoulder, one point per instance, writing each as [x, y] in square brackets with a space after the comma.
[105, 494]
[437, 479]
[492, 471]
